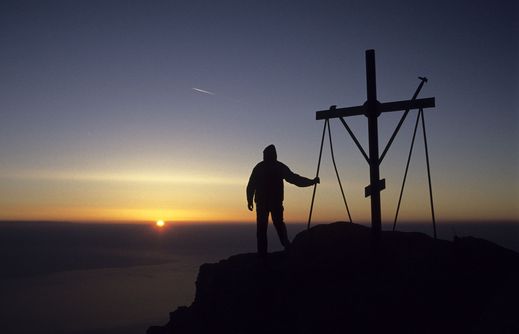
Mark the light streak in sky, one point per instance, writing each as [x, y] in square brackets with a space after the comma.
[203, 91]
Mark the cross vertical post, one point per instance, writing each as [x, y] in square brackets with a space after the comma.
[372, 114]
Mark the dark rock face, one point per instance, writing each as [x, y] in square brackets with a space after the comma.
[332, 281]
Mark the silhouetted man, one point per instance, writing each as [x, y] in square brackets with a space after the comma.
[266, 188]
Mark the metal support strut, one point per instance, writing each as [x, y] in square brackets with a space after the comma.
[420, 115]
[317, 175]
[327, 125]
[337, 173]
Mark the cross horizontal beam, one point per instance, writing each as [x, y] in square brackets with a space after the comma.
[381, 107]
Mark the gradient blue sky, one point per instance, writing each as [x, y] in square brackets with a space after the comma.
[99, 118]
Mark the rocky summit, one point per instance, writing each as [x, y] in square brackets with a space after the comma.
[336, 279]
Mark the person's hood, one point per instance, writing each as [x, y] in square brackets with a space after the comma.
[269, 153]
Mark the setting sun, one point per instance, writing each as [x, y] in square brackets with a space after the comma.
[160, 223]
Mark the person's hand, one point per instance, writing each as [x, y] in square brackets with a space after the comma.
[250, 206]
[317, 180]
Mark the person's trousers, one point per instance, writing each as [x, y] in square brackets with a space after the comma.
[262, 220]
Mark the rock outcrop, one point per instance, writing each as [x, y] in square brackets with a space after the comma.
[333, 281]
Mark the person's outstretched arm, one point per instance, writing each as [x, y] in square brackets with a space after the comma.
[298, 180]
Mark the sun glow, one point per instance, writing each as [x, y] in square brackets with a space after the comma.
[160, 223]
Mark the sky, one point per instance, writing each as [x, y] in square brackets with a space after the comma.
[147, 110]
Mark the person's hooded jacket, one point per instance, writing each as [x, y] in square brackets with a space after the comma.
[266, 180]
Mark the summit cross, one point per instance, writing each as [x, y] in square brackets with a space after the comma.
[372, 109]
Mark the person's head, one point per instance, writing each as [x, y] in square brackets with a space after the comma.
[269, 153]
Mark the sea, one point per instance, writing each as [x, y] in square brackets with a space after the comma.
[95, 278]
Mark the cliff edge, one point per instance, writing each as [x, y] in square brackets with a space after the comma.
[332, 281]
